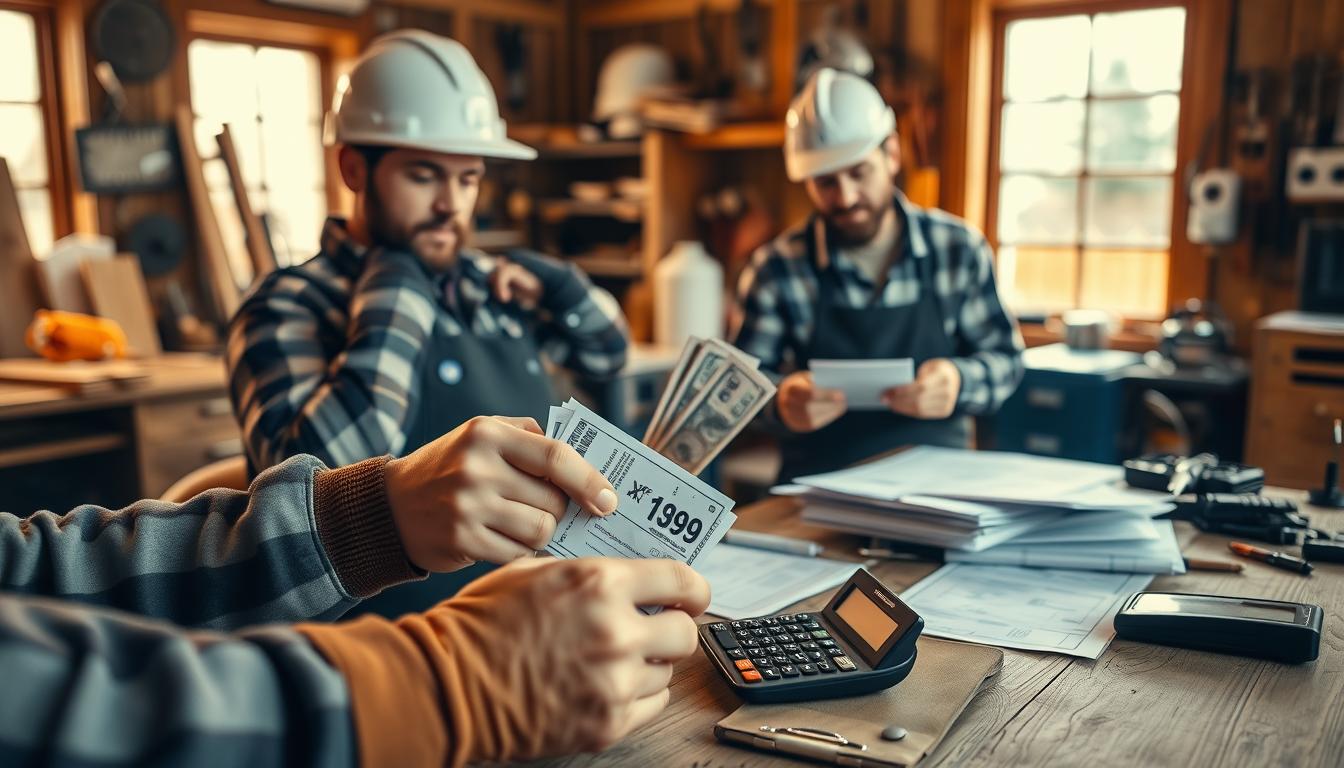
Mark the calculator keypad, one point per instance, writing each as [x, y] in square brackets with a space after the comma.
[776, 648]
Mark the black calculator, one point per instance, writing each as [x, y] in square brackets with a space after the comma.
[862, 641]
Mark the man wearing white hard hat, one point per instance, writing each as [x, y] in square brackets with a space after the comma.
[870, 275]
[398, 331]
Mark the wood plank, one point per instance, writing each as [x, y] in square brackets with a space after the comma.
[258, 244]
[116, 289]
[19, 289]
[214, 258]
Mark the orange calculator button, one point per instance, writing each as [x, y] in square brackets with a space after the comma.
[744, 664]
[751, 676]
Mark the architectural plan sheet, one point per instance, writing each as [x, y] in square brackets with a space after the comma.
[1034, 609]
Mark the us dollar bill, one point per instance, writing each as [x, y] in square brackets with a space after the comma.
[705, 365]
[715, 416]
[688, 352]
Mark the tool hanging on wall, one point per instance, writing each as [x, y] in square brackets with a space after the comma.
[118, 158]
[135, 37]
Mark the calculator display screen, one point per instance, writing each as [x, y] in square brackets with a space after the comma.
[866, 619]
[1234, 608]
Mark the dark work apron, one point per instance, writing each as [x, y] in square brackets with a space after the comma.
[874, 332]
[462, 377]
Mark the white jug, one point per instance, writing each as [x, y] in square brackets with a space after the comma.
[687, 295]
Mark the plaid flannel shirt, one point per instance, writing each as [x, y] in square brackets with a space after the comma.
[95, 673]
[324, 356]
[777, 297]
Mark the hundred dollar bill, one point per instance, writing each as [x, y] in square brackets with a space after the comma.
[715, 417]
[662, 510]
[670, 389]
[704, 366]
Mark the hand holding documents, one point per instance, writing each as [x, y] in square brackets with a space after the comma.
[863, 381]
[663, 510]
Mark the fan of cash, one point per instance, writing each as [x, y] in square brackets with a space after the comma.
[664, 510]
[713, 392]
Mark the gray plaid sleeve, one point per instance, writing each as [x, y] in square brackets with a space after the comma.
[762, 324]
[291, 398]
[89, 686]
[221, 560]
[990, 356]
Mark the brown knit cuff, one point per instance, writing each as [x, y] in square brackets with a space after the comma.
[354, 523]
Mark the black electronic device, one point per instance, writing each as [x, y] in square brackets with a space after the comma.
[1244, 515]
[1323, 550]
[1154, 471]
[862, 641]
[1243, 626]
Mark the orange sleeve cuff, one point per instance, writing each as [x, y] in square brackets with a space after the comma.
[398, 695]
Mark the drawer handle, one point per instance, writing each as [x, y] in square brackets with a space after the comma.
[218, 406]
[225, 449]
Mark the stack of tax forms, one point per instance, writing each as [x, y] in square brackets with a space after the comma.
[713, 392]
[999, 508]
[662, 510]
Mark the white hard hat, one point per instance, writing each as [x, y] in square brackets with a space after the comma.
[629, 74]
[835, 121]
[419, 90]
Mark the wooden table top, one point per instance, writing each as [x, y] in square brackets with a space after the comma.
[1136, 705]
[170, 375]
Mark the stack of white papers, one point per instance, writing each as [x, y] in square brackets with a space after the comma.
[749, 582]
[999, 508]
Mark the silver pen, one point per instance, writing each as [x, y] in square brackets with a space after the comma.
[773, 543]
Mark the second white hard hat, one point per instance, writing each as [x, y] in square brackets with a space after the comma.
[835, 121]
[415, 89]
[629, 74]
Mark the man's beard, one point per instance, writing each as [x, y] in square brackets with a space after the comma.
[386, 234]
[859, 233]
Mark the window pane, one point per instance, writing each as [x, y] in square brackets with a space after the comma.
[1041, 279]
[292, 154]
[1138, 51]
[223, 80]
[22, 143]
[1132, 283]
[296, 222]
[1043, 137]
[1046, 58]
[1128, 212]
[1038, 210]
[291, 88]
[35, 210]
[18, 57]
[1133, 134]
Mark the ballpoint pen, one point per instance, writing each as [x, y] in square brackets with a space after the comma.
[773, 543]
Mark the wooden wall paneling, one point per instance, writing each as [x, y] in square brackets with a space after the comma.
[71, 69]
[19, 289]
[966, 68]
[1209, 25]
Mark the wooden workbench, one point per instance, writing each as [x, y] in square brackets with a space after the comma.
[1137, 705]
[59, 447]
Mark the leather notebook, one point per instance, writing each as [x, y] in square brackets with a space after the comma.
[946, 677]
